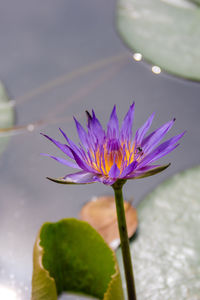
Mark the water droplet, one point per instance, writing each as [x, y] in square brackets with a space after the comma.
[156, 70]
[137, 56]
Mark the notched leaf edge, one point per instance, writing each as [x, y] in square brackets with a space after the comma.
[38, 252]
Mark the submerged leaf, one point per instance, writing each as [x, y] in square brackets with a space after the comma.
[70, 256]
[101, 214]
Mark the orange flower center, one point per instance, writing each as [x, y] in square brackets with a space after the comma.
[112, 151]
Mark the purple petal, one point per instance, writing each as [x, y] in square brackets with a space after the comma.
[113, 125]
[141, 170]
[114, 171]
[82, 134]
[126, 129]
[140, 133]
[70, 142]
[129, 169]
[95, 130]
[63, 161]
[147, 173]
[64, 148]
[81, 163]
[89, 117]
[155, 137]
[107, 180]
[76, 178]
[162, 150]
[81, 177]
[147, 168]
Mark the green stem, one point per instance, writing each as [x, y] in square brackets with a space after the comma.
[124, 242]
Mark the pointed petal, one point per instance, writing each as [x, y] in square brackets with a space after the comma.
[76, 178]
[63, 161]
[155, 137]
[113, 125]
[162, 150]
[114, 171]
[146, 168]
[81, 163]
[95, 129]
[89, 117]
[138, 175]
[129, 169]
[64, 148]
[82, 134]
[72, 145]
[126, 129]
[140, 133]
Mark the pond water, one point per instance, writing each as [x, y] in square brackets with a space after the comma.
[57, 60]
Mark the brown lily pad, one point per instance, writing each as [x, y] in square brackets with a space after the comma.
[100, 213]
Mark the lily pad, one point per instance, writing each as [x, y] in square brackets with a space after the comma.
[166, 250]
[6, 117]
[70, 256]
[165, 32]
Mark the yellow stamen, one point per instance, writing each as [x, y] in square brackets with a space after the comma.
[103, 161]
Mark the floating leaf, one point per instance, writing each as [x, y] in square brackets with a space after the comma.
[166, 252]
[6, 117]
[166, 33]
[101, 214]
[70, 256]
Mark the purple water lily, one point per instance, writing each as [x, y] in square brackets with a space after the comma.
[108, 156]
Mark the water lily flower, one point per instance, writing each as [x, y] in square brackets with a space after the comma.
[113, 155]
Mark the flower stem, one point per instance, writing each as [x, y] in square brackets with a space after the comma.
[124, 242]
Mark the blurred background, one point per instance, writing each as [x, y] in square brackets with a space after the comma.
[57, 59]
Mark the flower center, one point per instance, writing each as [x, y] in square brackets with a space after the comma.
[112, 151]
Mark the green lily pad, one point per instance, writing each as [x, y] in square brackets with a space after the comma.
[166, 250]
[70, 256]
[165, 32]
[6, 117]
